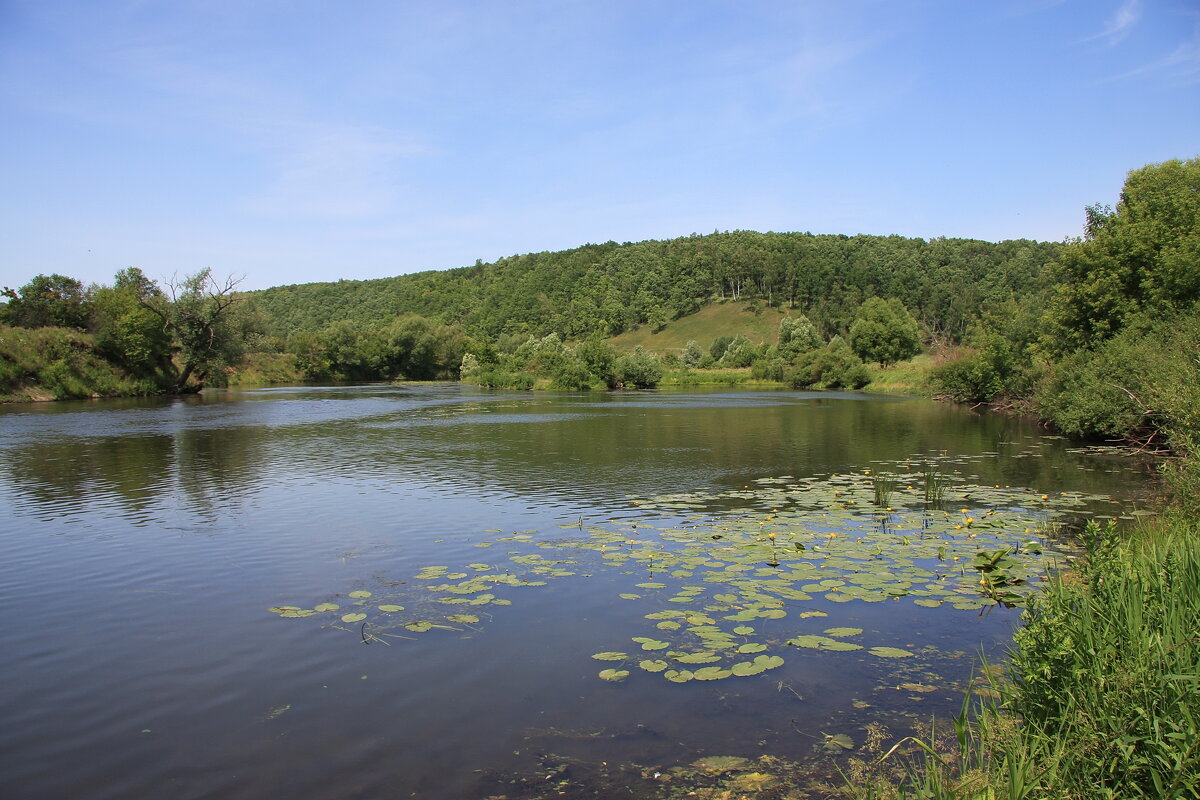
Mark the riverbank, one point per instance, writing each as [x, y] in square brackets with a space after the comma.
[1100, 698]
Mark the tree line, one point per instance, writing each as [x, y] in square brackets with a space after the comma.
[604, 289]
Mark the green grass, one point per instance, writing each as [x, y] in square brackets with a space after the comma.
[907, 377]
[710, 322]
[59, 364]
[1103, 698]
[265, 369]
[721, 376]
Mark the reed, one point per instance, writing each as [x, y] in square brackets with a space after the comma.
[884, 484]
[1103, 698]
[935, 484]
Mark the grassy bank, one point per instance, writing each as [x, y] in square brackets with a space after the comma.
[1102, 695]
[60, 364]
[907, 377]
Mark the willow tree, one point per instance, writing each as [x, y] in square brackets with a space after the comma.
[196, 312]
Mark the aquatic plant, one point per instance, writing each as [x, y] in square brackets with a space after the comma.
[883, 484]
[727, 594]
[935, 485]
[1103, 683]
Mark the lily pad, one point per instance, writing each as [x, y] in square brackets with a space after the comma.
[359, 594]
[889, 652]
[651, 644]
[614, 674]
[353, 617]
[838, 743]
[843, 631]
[610, 656]
[391, 607]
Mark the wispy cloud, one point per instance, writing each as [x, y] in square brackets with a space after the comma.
[1181, 66]
[1121, 23]
[335, 171]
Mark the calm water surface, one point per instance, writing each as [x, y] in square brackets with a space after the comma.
[145, 542]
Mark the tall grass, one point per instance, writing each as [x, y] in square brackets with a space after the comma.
[935, 484]
[884, 484]
[1104, 695]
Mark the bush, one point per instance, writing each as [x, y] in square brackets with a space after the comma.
[832, 366]
[638, 370]
[739, 353]
[572, 375]
[495, 378]
[970, 379]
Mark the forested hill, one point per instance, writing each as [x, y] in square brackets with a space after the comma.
[607, 288]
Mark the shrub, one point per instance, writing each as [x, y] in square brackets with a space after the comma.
[639, 369]
[832, 366]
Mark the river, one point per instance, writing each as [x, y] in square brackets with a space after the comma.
[402, 591]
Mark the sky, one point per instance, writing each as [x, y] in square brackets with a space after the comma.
[291, 142]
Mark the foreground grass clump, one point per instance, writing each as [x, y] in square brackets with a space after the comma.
[1104, 695]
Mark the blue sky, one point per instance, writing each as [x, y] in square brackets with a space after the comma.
[303, 141]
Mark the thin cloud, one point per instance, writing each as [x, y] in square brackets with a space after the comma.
[1119, 26]
[1181, 66]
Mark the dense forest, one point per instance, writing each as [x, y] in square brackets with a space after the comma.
[604, 289]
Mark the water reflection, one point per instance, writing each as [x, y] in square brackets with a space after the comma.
[213, 453]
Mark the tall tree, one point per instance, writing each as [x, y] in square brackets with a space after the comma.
[48, 301]
[1137, 262]
[884, 331]
[196, 311]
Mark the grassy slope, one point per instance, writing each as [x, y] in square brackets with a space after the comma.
[59, 363]
[718, 319]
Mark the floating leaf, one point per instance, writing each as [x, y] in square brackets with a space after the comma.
[353, 617]
[465, 619]
[359, 594]
[889, 652]
[390, 607]
[651, 644]
[614, 674]
[419, 627]
[919, 688]
[653, 665]
[610, 656]
[838, 743]
[326, 607]
[678, 675]
[843, 631]
[711, 674]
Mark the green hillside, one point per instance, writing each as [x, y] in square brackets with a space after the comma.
[608, 289]
[758, 324]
